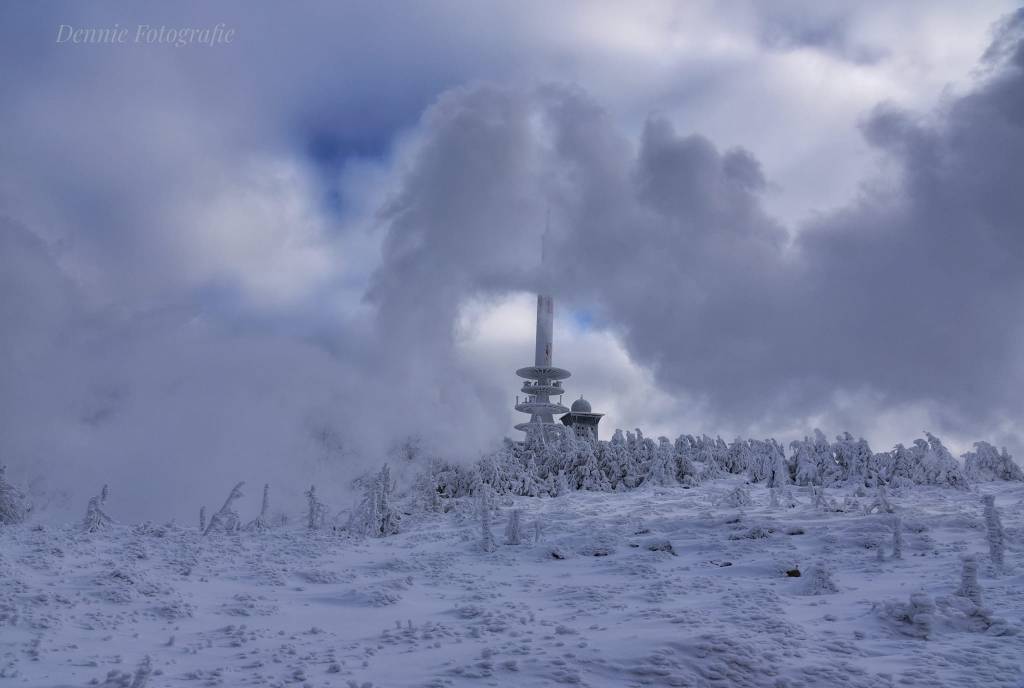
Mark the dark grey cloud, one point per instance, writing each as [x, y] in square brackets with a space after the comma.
[912, 291]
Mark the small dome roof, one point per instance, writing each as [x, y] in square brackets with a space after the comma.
[581, 405]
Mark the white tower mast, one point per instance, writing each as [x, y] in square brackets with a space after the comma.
[543, 380]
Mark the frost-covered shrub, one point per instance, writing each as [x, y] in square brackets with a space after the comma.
[969, 587]
[914, 619]
[821, 502]
[880, 504]
[818, 581]
[735, 498]
[561, 485]
[985, 464]
[994, 532]
[514, 528]
[95, 518]
[538, 530]
[897, 538]
[13, 506]
[226, 520]
[440, 480]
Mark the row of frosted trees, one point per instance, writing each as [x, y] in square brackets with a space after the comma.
[627, 461]
[630, 460]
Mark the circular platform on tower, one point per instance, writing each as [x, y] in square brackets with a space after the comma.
[535, 425]
[543, 373]
[543, 390]
[540, 408]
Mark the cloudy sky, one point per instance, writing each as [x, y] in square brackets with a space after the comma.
[270, 259]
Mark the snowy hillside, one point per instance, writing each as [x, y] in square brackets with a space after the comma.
[655, 586]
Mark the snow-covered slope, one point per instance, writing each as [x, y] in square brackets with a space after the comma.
[659, 587]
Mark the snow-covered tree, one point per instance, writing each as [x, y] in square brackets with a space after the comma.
[262, 522]
[737, 458]
[586, 470]
[985, 464]
[426, 488]
[494, 470]
[376, 516]
[453, 480]
[95, 518]
[365, 519]
[617, 465]
[780, 475]
[814, 462]
[514, 528]
[641, 454]
[226, 520]
[663, 466]
[13, 506]
[854, 459]
[487, 542]
[934, 465]
[391, 518]
[715, 452]
[556, 455]
[316, 511]
[994, 532]
[686, 453]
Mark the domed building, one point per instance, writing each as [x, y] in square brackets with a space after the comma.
[581, 418]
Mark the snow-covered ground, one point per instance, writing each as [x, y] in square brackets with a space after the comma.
[660, 587]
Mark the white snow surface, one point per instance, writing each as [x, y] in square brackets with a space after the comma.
[662, 586]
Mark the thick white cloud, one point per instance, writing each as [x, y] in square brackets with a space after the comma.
[223, 261]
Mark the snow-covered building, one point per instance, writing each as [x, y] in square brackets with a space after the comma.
[582, 419]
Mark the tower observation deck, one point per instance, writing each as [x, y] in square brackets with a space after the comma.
[543, 379]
